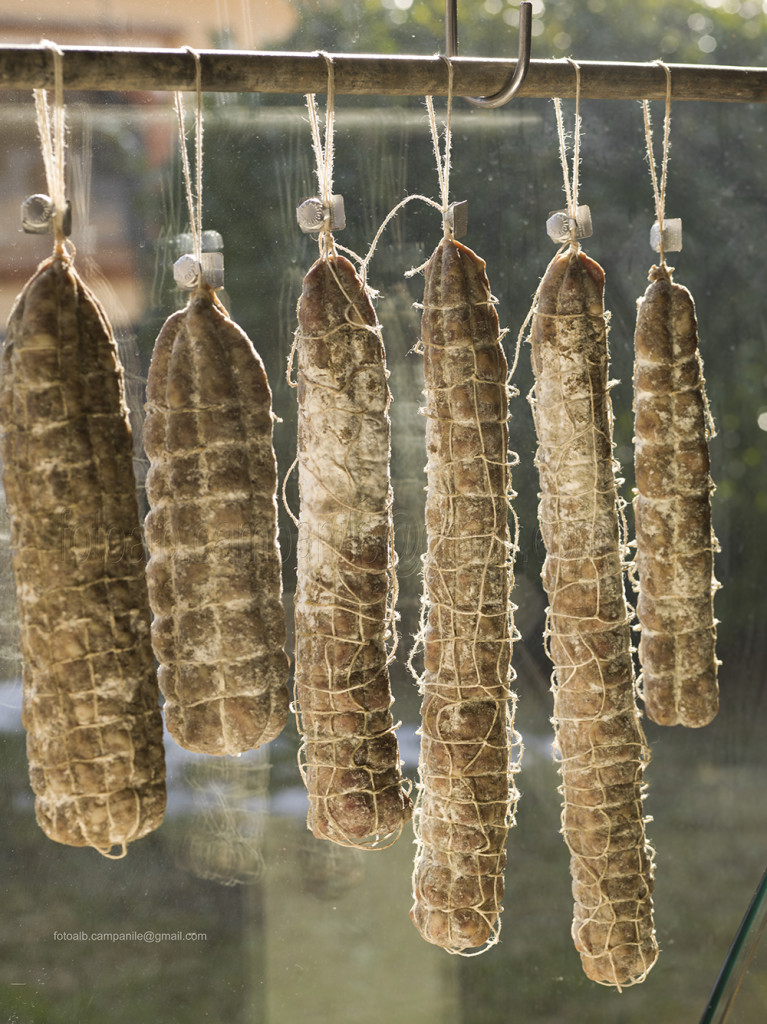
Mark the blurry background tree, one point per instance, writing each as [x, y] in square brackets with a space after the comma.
[720, 31]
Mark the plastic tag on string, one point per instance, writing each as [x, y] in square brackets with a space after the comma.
[312, 215]
[188, 272]
[559, 226]
[38, 213]
[672, 235]
[457, 218]
[210, 241]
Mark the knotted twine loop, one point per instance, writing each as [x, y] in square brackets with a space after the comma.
[51, 128]
[443, 162]
[324, 157]
[571, 185]
[194, 203]
[443, 170]
[659, 192]
[571, 189]
[443, 173]
[324, 153]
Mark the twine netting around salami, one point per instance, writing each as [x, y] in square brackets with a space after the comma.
[346, 563]
[673, 570]
[214, 571]
[90, 698]
[600, 743]
[469, 750]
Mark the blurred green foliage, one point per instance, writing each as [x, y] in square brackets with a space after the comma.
[683, 31]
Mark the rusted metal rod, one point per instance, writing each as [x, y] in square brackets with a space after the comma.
[127, 70]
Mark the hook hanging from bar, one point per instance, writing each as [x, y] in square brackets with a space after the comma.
[498, 99]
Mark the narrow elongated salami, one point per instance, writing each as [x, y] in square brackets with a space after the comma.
[90, 698]
[601, 744]
[343, 616]
[672, 508]
[214, 572]
[466, 794]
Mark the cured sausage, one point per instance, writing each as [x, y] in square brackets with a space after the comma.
[601, 744]
[90, 698]
[674, 539]
[214, 572]
[467, 796]
[345, 571]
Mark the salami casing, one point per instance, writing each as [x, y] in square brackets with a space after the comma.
[90, 698]
[674, 539]
[601, 744]
[214, 571]
[466, 793]
[343, 614]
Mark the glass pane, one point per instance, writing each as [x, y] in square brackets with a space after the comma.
[232, 911]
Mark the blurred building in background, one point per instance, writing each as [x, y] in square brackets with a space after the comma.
[105, 233]
[241, 24]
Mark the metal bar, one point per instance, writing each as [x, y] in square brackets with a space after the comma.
[127, 70]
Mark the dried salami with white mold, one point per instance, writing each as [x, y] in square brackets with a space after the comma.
[467, 795]
[601, 744]
[675, 544]
[214, 571]
[90, 697]
[346, 565]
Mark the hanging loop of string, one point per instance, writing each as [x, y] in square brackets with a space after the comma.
[443, 162]
[659, 190]
[443, 174]
[571, 183]
[324, 153]
[194, 201]
[52, 131]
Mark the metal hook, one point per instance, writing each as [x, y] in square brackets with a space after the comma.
[503, 96]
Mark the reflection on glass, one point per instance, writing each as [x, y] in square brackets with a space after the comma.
[299, 930]
[225, 834]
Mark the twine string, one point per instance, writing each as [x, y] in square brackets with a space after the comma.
[194, 201]
[194, 196]
[52, 132]
[443, 161]
[659, 191]
[324, 151]
[571, 182]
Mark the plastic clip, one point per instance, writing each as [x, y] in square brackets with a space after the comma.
[312, 215]
[559, 226]
[210, 241]
[457, 218]
[188, 272]
[672, 235]
[38, 213]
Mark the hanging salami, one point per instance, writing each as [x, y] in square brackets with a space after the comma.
[214, 572]
[345, 572]
[602, 749]
[90, 699]
[466, 793]
[674, 538]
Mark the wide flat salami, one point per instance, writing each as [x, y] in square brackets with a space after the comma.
[214, 571]
[90, 698]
